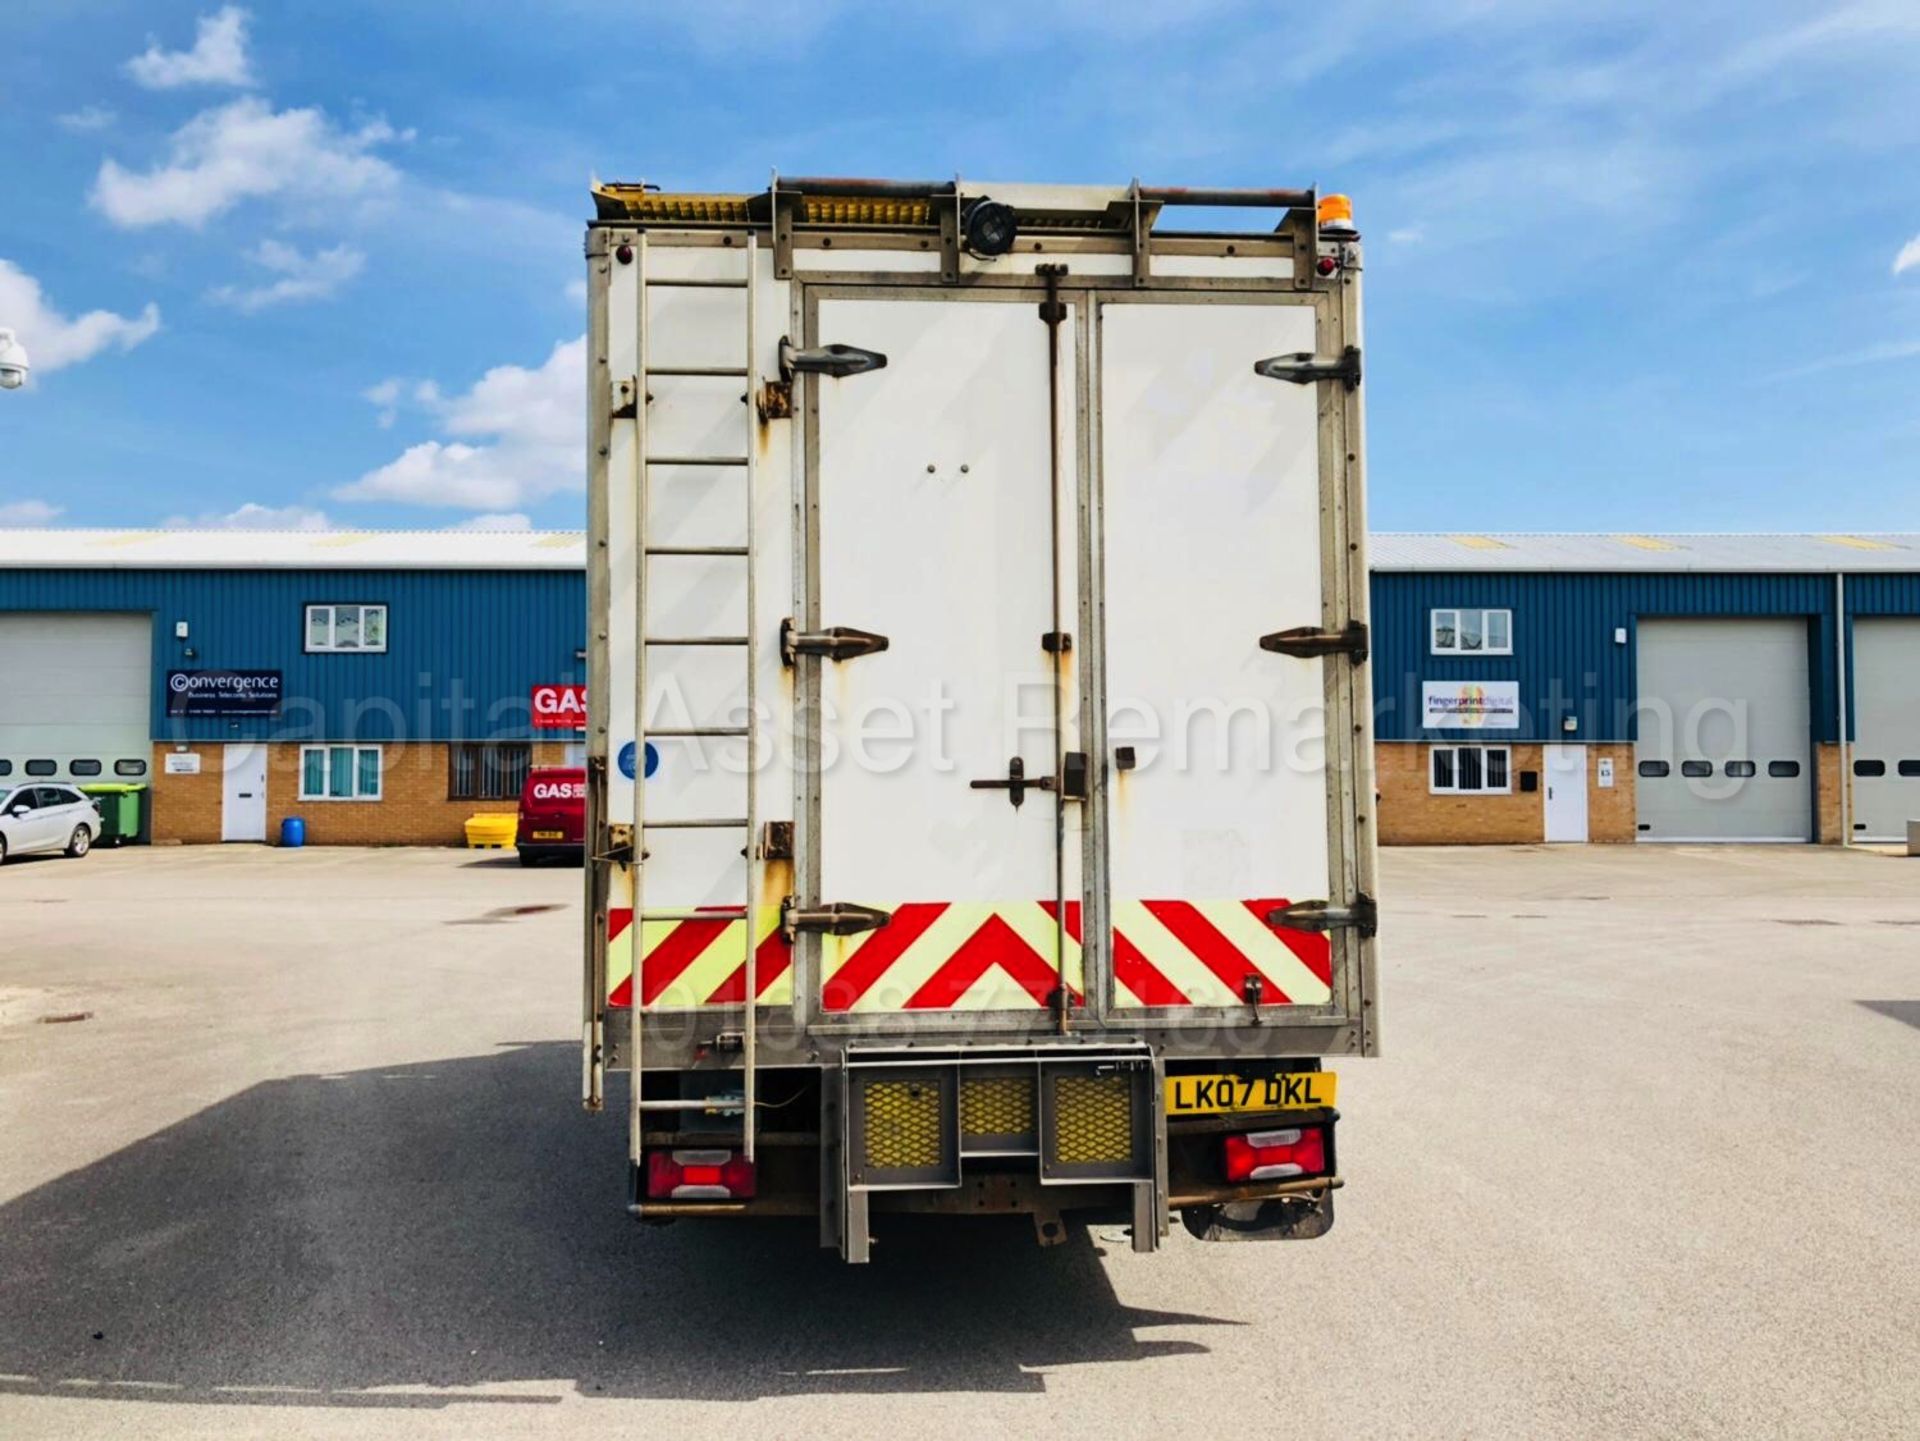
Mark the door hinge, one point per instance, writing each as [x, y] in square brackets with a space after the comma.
[1308, 641]
[776, 841]
[839, 919]
[776, 400]
[1303, 367]
[1320, 917]
[836, 642]
[626, 392]
[827, 360]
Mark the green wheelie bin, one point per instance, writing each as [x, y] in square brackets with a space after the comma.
[120, 804]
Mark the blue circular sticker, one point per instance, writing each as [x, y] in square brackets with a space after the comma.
[626, 760]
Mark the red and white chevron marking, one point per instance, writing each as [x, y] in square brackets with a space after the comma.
[951, 956]
[697, 963]
[1200, 953]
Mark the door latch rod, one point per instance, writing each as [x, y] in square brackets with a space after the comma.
[1016, 784]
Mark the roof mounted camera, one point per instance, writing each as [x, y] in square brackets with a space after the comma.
[13, 361]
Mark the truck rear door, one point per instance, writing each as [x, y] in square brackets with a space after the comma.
[1219, 809]
[938, 523]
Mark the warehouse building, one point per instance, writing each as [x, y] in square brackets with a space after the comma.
[385, 686]
[1646, 687]
[382, 686]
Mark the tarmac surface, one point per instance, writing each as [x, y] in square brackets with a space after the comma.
[290, 1145]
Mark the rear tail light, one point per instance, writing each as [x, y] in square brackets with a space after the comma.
[699, 1176]
[1277, 1155]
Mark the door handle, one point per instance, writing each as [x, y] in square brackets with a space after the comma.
[1016, 784]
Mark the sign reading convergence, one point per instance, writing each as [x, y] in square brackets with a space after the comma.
[1492, 705]
[223, 692]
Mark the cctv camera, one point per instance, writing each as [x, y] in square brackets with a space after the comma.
[13, 362]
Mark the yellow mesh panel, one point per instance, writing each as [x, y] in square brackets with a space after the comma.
[996, 1106]
[640, 204]
[864, 210]
[1093, 1119]
[903, 1125]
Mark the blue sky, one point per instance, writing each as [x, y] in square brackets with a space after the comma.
[1632, 266]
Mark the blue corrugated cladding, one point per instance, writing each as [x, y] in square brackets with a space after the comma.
[1565, 656]
[464, 648]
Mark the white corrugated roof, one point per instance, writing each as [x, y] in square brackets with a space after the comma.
[294, 549]
[567, 550]
[1643, 551]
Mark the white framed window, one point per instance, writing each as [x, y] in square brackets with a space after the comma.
[339, 773]
[1462, 631]
[350, 626]
[1470, 771]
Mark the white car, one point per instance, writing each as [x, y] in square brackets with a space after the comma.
[46, 818]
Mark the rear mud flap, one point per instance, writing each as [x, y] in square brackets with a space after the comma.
[1286, 1218]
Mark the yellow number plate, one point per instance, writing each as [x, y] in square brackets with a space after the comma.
[1221, 1095]
[549, 835]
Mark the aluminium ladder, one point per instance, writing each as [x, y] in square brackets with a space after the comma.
[747, 823]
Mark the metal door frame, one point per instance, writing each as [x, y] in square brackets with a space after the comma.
[1344, 595]
[808, 1017]
[227, 788]
[1547, 749]
[1345, 1024]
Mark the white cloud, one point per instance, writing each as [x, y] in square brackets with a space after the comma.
[1407, 235]
[1908, 258]
[87, 119]
[243, 150]
[385, 395]
[531, 432]
[302, 277]
[218, 57]
[26, 514]
[252, 516]
[513, 520]
[1884, 353]
[51, 339]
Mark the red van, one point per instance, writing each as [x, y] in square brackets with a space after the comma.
[553, 815]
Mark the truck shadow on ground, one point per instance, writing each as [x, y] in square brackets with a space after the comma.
[461, 1224]
[1908, 1011]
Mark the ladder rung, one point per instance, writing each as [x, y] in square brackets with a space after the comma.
[696, 640]
[737, 372]
[696, 550]
[698, 824]
[670, 283]
[686, 732]
[696, 460]
[718, 913]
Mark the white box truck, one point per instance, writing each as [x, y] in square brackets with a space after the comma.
[980, 806]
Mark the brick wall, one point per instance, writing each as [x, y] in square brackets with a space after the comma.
[1411, 815]
[1826, 770]
[413, 809]
[187, 808]
[1610, 813]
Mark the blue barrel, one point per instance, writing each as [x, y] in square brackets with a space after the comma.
[293, 831]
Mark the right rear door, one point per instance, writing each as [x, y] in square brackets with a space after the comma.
[1214, 531]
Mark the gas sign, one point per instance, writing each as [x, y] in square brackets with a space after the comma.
[560, 707]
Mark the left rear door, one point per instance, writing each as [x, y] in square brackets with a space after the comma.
[946, 522]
